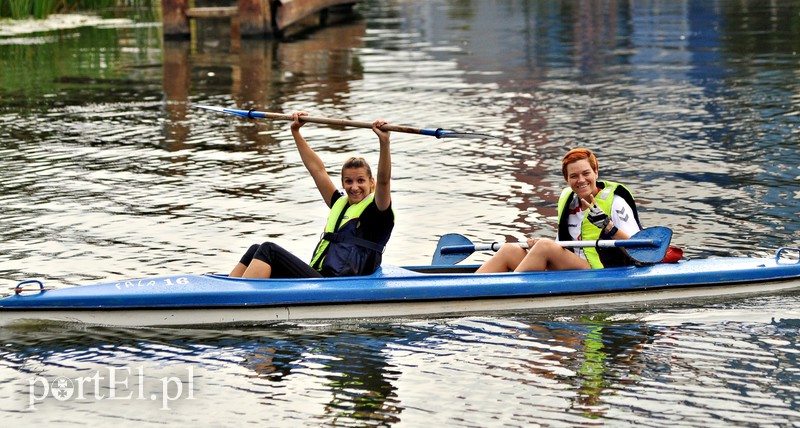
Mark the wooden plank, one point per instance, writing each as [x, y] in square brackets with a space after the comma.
[212, 12]
[289, 12]
[249, 18]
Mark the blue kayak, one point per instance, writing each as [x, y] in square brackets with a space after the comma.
[192, 300]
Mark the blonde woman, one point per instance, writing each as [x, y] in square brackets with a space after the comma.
[359, 224]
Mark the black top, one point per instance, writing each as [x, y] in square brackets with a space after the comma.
[374, 225]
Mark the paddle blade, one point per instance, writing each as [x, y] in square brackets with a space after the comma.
[212, 108]
[240, 113]
[451, 258]
[456, 134]
[649, 255]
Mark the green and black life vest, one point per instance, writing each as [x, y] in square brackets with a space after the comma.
[341, 250]
[597, 257]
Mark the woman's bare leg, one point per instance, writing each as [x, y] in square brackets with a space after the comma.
[257, 269]
[240, 267]
[546, 254]
[238, 270]
[506, 259]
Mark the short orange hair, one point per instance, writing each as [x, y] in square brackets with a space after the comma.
[575, 155]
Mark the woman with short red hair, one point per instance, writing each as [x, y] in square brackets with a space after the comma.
[589, 209]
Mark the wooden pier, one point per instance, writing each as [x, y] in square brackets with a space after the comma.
[251, 18]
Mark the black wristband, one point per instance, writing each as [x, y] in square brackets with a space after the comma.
[612, 232]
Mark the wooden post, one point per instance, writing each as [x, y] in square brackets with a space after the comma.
[174, 19]
[254, 17]
[177, 78]
[252, 88]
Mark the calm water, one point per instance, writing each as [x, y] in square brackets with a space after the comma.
[107, 172]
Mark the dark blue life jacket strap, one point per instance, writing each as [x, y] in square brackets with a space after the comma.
[361, 242]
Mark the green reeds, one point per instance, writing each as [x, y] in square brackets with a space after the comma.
[40, 9]
[21, 9]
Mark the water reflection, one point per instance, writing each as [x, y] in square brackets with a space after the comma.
[657, 79]
[261, 74]
[561, 369]
[333, 376]
[351, 374]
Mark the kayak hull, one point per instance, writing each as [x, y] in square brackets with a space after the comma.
[392, 292]
[162, 317]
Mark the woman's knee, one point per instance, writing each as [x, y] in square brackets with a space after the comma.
[265, 252]
[248, 255]
[511, 250]
[510, 255]
[545, 245]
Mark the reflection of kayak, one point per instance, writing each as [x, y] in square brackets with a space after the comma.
[392, 292]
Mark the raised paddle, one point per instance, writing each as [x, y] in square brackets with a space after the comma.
[438, 133]
[646, 247]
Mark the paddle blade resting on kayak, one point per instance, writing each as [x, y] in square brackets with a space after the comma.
[648, 255]
[452, 240]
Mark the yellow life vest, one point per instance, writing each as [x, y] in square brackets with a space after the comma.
[590, 232]
[341, 232]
